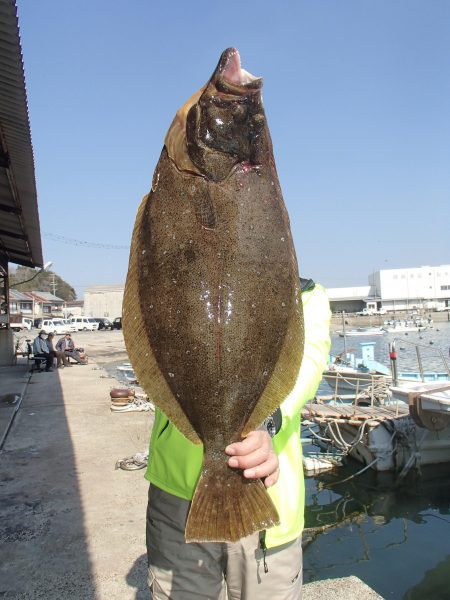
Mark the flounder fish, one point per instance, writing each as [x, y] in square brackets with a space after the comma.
[212, 314]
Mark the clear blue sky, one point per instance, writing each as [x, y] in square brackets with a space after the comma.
[357, 97]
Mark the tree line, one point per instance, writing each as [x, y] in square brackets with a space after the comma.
[46, 281]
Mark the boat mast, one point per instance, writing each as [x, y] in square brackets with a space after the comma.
[343, 331]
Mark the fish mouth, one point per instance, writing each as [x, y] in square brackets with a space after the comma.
[230, 78]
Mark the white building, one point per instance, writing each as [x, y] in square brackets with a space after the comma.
[421, 288]
[103, 301]
[350, 299]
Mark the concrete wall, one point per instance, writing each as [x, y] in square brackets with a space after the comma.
[103, 302]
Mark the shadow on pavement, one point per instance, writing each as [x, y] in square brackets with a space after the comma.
[43, 546]
[137, 578]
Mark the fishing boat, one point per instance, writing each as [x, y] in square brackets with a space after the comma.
[406, 326]
[384, 438]
[411, 429]
[347, 373]
[353, 374]
[429, 402]
[362, 331]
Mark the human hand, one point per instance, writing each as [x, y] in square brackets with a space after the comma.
[256, 457]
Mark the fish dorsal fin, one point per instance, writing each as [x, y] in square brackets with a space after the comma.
[138, 344]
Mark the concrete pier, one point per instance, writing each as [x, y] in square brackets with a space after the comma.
[71, 526]
[344, 588]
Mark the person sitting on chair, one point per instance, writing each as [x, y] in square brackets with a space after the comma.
[41, 350]
[61, 360]
[67, 346]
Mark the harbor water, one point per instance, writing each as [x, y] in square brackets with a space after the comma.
[394, 536]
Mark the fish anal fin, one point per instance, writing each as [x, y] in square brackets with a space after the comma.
[284, 375]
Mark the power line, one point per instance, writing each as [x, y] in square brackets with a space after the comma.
[61, 239]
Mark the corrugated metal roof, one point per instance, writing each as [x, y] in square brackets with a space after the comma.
[20, 296]
[20, 237]
[46, 296]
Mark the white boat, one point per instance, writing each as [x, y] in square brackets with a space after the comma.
[353, 375]
[386, 442]
[407, 326]
[410, 430]
[362, 331]
[426, 400]
[354, 379]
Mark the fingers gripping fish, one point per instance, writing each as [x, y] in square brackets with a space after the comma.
[212, 313]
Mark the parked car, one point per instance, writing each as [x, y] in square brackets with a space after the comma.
[17, 323]
[367, 312]
[117, 323]
[84, 323]
[54, 326]
[103, 323]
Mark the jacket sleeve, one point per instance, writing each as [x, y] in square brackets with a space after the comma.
[317, 315]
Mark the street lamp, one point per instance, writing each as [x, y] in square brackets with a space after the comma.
[41, 270]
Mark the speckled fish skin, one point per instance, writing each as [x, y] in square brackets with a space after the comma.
[218, 289]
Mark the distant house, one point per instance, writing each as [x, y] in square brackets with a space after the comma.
[45, 304]
[20, 303]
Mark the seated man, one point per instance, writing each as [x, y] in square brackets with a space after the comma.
[67, 346]
[41, 350]
[61, 360]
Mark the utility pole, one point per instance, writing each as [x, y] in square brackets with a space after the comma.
[53, 284]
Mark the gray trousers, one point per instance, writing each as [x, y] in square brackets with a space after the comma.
[214, 571]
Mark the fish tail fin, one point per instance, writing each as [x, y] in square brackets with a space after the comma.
[226, 507]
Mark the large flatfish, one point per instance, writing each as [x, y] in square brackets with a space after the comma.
[212, 314]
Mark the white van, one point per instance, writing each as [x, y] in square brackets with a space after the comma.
[84, 324]
[54, 326]
[68, 323]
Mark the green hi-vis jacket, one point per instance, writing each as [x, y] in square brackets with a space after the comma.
[175, 463]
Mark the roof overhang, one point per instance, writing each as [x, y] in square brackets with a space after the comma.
[20, 237]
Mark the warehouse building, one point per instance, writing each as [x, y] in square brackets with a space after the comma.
[416, 288]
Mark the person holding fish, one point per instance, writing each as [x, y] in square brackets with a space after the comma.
[229, 343]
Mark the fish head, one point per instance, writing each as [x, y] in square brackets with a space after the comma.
[222, 125]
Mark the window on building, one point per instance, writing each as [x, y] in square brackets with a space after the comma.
[445, 287]
[46, 309]
[26, 307]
